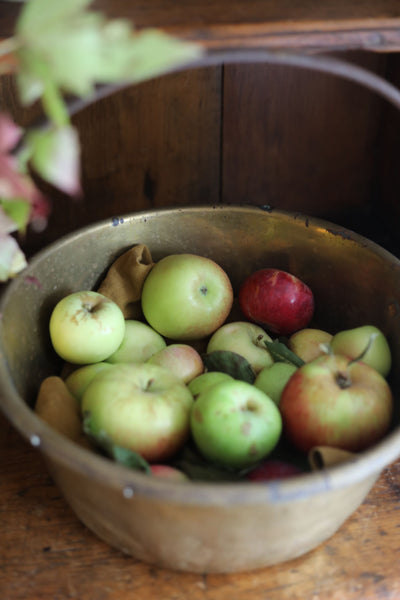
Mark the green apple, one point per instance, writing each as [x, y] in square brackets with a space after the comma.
[142, 407]
[78, 380]
[306, 343]
[271, 380]
[334, 401]
[244, 338]
[204, 381]
[353, 342]
[234, 424]
[186, 297]
[180, 359]
[86, 327]
[140, 342]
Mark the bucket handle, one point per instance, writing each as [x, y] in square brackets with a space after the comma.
[218, 57]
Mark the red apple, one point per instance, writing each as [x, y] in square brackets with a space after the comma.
[167, 472]
[332, 401]
[273, 469]
[277, 301]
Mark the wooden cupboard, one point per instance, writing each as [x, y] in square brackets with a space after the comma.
[243, 133]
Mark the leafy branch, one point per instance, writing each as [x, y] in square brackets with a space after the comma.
[59, 49]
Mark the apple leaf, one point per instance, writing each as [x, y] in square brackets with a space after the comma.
[281, 353]
[123, 456]
[129, 458]
[231, 363]
[198, 469]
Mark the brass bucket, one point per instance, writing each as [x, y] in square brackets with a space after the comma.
[202, 527]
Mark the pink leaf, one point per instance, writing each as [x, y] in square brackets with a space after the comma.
[10, 133]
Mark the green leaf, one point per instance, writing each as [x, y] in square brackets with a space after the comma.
[129, 458]
[147, 54]
[75, 49]
[198, 469]
[39, 15]
[281, 353]
[18, 210]
[119, 454]
[231, 363]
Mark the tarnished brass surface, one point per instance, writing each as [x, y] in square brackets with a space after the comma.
[197, 526]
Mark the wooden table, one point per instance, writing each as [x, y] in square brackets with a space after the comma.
[47, 554]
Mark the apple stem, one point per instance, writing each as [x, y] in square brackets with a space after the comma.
[259, 339]
[88, 307]
[373, 337]
[149, 384]
[326, 348]
[343, 380]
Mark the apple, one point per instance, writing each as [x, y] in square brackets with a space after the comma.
[186, 297]
[332, 401]
[244, 338]
[273, 469]
[79, 379]
[86, 327]
[353, 342]
[139, 343]
[204, 381]
[234, 424]
[306, 343]
[141, 407]
[271, 380]
[168, 472]
[277, 301]
[180, 359]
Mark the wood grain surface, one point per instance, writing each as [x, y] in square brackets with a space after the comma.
[307, 24]
[47, 554]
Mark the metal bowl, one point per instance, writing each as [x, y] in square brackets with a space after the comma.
[202, 527]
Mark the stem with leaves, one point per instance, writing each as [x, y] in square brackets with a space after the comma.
[61, 48]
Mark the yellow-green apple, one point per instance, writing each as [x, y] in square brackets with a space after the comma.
[186, 297]
[141, 407]
[167, 472]
[353, 343]
[244, 338]
[204, 381]
[86, 327]
[333, 401]
[139, 343]
[180, 359]
[79, 379]
[308, 343]
[271, 380]
[234, 424]
[278, 301]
